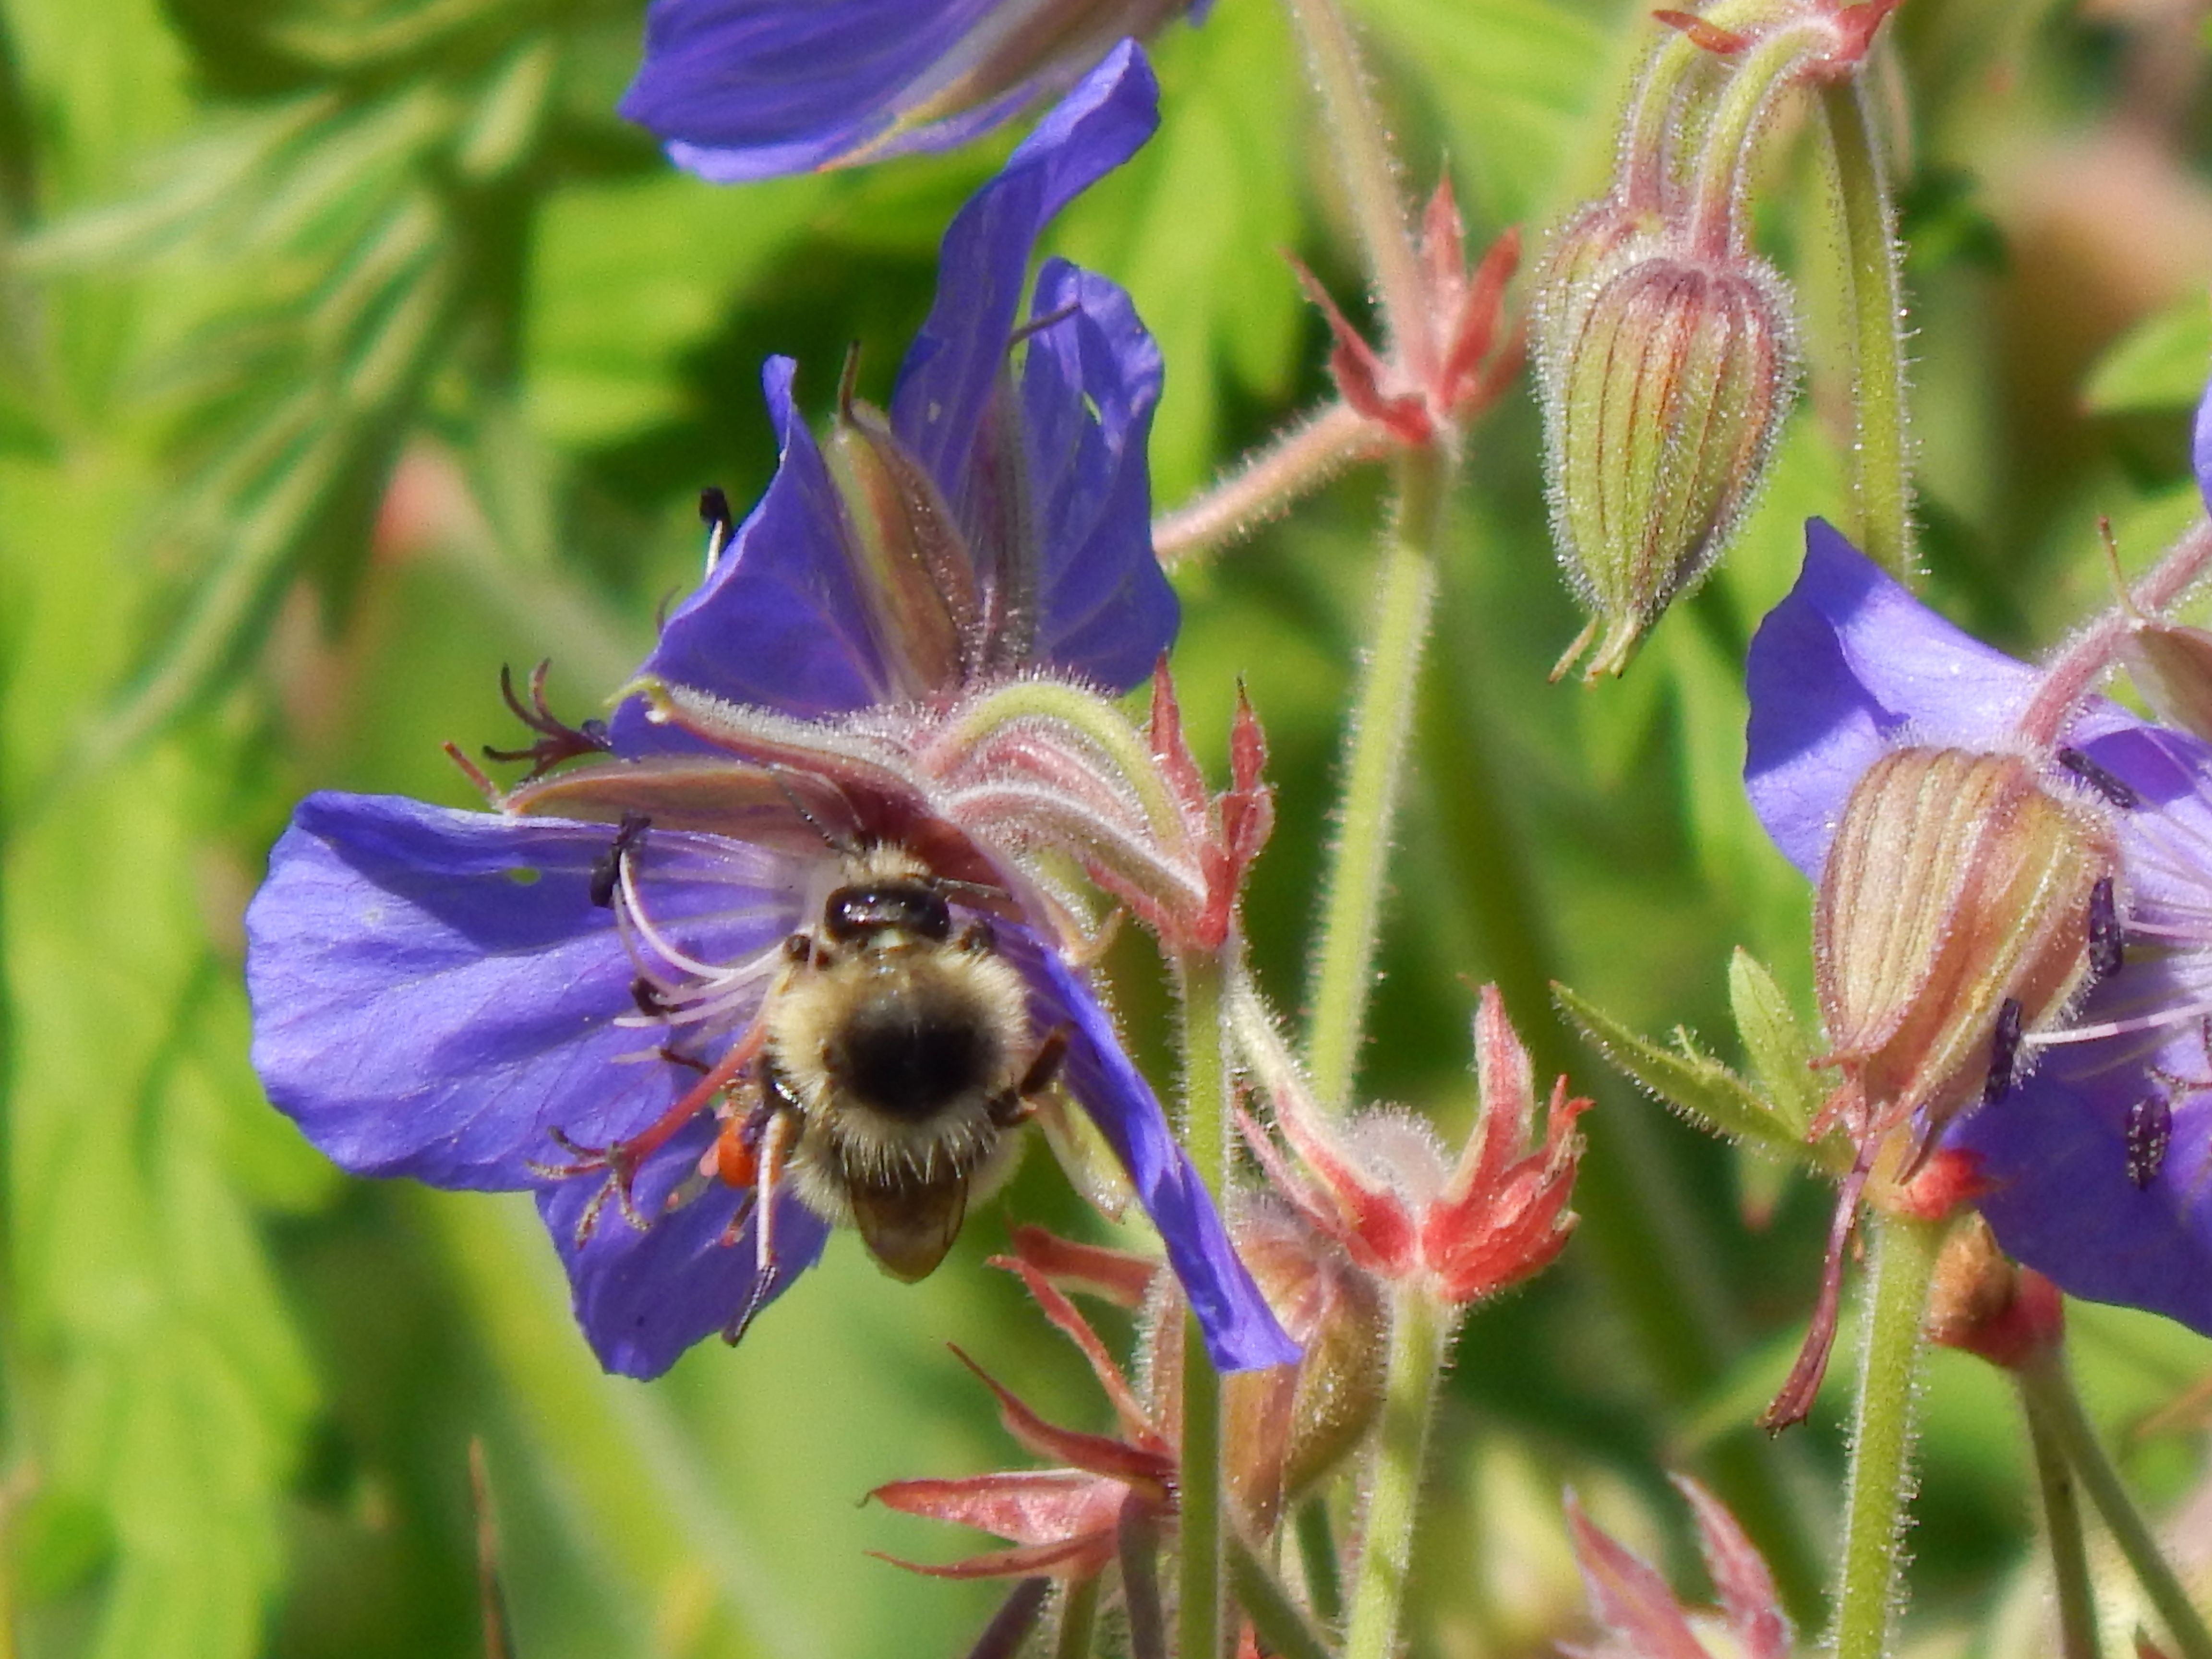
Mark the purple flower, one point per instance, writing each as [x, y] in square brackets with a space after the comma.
[2091, 1167]
[567, 996]
[743, 89]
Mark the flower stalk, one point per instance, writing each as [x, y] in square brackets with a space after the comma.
[1374, 770]
[1203, 1500]
[2062, 1524]
[1881, 446]
[1420, 1333]
[2052, 1402]
[1368, 173]
[1902, 1266]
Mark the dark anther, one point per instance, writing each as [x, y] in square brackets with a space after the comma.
[557, 740]
[979, 938]
[2004, 1050]
[644, 993]
[2122, 795]
[606, 872]
[714, 513]
[2107, 948]
[2149, 1130]
[689, 1062]
[800, 947]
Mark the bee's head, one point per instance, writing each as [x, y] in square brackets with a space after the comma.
[874, 912]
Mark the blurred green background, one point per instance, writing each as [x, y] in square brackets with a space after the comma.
[350, 348]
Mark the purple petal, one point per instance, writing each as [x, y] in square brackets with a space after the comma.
[1104, 607]
[2055, 1150]
[778, 623]
[1241, 1332]
[2200, 448]
[753, 89]
[1836, 673]
[644, 1298]
[434, 991]
[957, 363]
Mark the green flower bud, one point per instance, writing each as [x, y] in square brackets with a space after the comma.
[1665, 381]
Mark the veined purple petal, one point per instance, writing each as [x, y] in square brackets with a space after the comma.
[643, 1297]
[1838, 670]
[778, 623]
[752, 88]
[958, 363]
[1104, 607]
[1241, 1332]
[745, 89]
[2055, 1152]
[434, 991]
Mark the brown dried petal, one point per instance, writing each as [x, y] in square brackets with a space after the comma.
[1956, 882]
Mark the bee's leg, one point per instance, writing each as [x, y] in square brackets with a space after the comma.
[778, 1137]
[620, 1162]
[1013, 1108]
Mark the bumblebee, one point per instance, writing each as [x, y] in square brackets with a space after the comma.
[898, 1062]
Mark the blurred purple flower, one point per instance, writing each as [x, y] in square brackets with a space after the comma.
[460, 996]
[2091, 1167]
[744, 89]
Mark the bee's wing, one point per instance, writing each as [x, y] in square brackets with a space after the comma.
[908, 1228]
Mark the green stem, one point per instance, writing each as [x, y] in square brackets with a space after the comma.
[1368, 173]
[2062, 1522]
[1318, 1556]
[1282, 1629]
[1078, 1619]
[1756, 80]
[1657, 1257]
[1374, 767]
[1901, 1262]
[2050, 1396]
[1881, 449]
[1205, 1136]
[1420, 1331]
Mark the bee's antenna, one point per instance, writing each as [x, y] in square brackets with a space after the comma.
[844, 846]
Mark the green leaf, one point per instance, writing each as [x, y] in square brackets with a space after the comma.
[2159, 364]
[1780, 1052]
[1693, 1082]
[626, 278]
[1513, 81]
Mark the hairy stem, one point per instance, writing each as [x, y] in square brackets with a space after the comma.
[1200, 1624]
[1882, 446]
[2062, 1524]
[1078, 1619]
[1374, 767]
[1901, 1263]
[2052, 1398]
[1369, 176]
[1296, 462]
[1420, 1332]
[1275, 1618]
[2076, 669]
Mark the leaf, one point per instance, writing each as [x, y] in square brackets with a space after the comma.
[2159, 364]
[1780, 1052]
[174, 1391]
[627, 279]
[1514, 82]
[1694, 1084]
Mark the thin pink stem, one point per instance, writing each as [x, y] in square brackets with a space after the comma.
[2077, 669]
[1268, 481]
